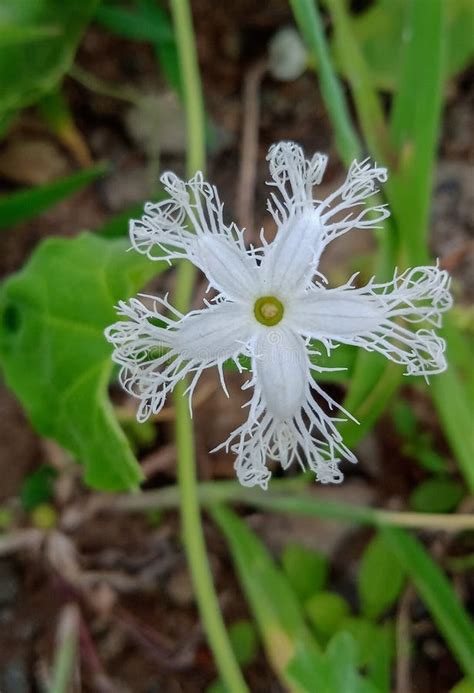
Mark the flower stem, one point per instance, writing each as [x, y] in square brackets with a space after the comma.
[192, 531]
[289, 496]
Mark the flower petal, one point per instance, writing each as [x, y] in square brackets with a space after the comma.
[310, 438]
[369, 317]
[190, 225]
[228, 267]
[286, 423]
[214, 334]
[346, 209]
[154, 357]
[289, 263]
[294, 177]
[282, 371]
[305, 225]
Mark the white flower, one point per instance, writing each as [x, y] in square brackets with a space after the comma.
[273, 306]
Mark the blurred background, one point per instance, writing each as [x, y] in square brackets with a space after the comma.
[92, 109]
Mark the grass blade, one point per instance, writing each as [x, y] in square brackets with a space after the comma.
[26, 204]
[273, 602]
[67, 649]
[415, 122]
[308, 18]
[369, 107]
[438, 595]
[455, 410]
[136, 25]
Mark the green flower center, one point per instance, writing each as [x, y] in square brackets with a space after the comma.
[268, 310]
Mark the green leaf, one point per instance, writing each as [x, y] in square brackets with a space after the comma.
[380, 658]
[21, 34]
[244, 640]
[305, 569]
[274, 604]
[404, 420]
[27, 74]
[373, 384]
[415, 122]
[380, 578]
[117, 226]
[455, 408]
[369, 106]
[326, 611]
[379, 31]
[463, 686]
[310, 24]
[37, 488]
[54, 354]
[146, 22]
[437, 594]
[335, 671]
[375, 649]
[7, 119]
[27, 204]
[135, 24]
[431, 461]
[365, 634]
[436, 496]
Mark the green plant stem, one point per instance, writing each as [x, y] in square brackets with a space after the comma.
[193, 535]
[192, 92]
[373, 383]
[65, 659]
[99, 86]
[368, 105]
[309, 22]
[289, 497]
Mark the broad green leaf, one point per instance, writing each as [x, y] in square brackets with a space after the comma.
[27, 204]
[54, 354]
[305, 569]
[380, 578]
[12, 35]
[274, 604]
[437, 594]
[27, 74]
[436, 496]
